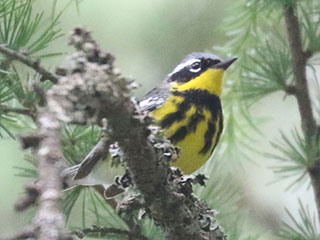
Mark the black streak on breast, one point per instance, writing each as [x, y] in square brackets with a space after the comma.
[202, 99]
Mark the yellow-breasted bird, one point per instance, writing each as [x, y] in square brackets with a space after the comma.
[187, 106]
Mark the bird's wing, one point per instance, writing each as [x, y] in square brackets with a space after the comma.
[155, 98]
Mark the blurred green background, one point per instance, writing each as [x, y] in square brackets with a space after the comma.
[148, 39]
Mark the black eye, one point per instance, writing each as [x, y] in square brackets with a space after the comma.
[195, 67]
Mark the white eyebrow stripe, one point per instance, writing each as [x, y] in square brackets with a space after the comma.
[183, 65]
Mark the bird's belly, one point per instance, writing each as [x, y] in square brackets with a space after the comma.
[190, 158]
[193, 140]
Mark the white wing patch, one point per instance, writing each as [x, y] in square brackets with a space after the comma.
[151, 103]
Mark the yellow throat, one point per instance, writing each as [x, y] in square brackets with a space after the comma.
[210, 80]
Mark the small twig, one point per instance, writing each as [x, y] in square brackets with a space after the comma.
[41, 94]
[111, 201]
[30, 140]
[105, 231]
[25, 234]
[32, 194]
[22, 111]
[291, 89]
[108, 197]
[32, 63]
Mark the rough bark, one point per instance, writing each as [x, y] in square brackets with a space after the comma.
[49, 220]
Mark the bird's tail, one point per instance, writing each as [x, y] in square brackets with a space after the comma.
[68, 175]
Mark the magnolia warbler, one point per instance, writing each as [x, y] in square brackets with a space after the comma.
[188, 108]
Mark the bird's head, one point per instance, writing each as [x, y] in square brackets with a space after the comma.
[200, 71]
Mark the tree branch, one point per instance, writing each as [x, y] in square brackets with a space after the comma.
[49, 220]
[92, 90]
[32, 63]
[32, 194]
[299, 61]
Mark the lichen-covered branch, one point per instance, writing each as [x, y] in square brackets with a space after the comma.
[49, 220]
[299, 61]
[92, 89]
[46, 191]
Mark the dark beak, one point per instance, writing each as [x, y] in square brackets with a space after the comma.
[225, 64]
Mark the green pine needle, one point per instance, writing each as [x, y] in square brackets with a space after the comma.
[296, 155]
[306, 228]
[310, 22]
[267, 70]
[70, 198]
[21, 28]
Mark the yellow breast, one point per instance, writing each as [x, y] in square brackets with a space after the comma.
[191, 158]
